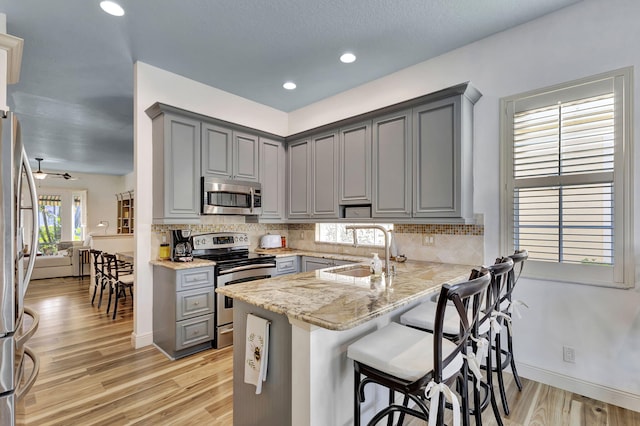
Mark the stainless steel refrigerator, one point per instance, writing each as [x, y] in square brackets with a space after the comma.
[18, 247]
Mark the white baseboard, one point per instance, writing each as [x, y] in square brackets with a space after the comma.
[141, 340]
[606, 394]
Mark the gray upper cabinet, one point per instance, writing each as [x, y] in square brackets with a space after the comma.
[176, 167]
[442, 154]
[392, 166]
[272, 178]
[324, 183]
[217, 151]
[312, 182]
[298, 182]
[245, 156]
[354, 160]
[229, 154]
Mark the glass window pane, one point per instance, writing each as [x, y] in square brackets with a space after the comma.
[49, 223]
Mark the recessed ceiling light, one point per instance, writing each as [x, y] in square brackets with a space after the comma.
[289, 85]
[347, 58]
[112, 8]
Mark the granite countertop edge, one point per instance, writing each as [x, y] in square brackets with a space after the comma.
[311, 298]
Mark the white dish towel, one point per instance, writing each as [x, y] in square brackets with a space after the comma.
[257, 351]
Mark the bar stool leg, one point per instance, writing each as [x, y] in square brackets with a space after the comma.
[513, 361]
[499, 365]
[356, 397]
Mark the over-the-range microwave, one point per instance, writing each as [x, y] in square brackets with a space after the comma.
[221, 196]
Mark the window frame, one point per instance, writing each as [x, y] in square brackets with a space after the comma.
[390, 227]
[66, 211]
[622, 273]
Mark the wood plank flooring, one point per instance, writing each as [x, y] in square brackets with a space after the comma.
[90, 375]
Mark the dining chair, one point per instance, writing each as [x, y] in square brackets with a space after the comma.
[98, 273]
[420, 365]
[120, 278]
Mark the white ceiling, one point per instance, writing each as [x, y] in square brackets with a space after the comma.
[75, 95]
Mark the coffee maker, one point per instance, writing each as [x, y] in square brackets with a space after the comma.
[181, 246]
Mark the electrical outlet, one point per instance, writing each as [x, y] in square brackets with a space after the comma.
[568, 354]
[302, 235]
[428, 240]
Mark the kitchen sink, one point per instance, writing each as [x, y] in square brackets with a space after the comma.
[357, 270]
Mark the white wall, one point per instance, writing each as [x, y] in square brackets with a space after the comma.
[588, 38]
[591, 37]
[101, 196]
[155, 85]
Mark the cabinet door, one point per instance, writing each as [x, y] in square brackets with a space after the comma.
[299, 174]
[181, 162]
[287, 265]
[313, 263]
[392, 166]
[217, 149]
[245, 157]
[436, 145]
[355, 164]
[272, 176]
[325, 176]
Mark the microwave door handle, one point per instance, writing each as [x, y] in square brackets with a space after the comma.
[34, 217]
[251, 194]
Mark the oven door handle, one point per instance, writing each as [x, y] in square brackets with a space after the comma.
[247, 268]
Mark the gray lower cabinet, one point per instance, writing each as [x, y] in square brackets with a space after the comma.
[354, 161]
[183, 310]
[272, 178]
[229, 154]
[176, 167]
[287, 265]
[311, 263]
[392, 166]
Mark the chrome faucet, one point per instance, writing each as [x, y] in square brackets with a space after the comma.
[387, 241]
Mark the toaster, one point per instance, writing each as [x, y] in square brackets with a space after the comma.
[271, 241]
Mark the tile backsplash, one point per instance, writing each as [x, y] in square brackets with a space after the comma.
[447, 243]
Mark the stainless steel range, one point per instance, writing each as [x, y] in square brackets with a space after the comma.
[234, 265]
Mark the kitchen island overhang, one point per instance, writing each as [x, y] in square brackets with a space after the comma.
[314, 317]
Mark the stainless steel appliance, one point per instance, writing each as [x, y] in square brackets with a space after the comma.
[181, 246]
[18, 211]
[220, 196]
[234, 265]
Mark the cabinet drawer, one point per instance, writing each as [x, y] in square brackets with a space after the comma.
[194, 331]
[192, 303]
[287, 265]
[194, 278]
[356, 212]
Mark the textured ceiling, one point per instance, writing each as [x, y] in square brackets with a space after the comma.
[75, 95]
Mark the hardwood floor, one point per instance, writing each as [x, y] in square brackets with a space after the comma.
[90, 375]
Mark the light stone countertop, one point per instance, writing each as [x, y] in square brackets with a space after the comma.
[339, 302]
[281, 252]
[177, 266]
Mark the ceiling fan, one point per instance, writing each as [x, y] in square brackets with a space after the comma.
[39, 174]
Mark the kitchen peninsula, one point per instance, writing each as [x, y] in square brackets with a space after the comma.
[314, 317]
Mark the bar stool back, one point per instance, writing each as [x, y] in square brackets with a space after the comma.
[504, 357]
[418, 364]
